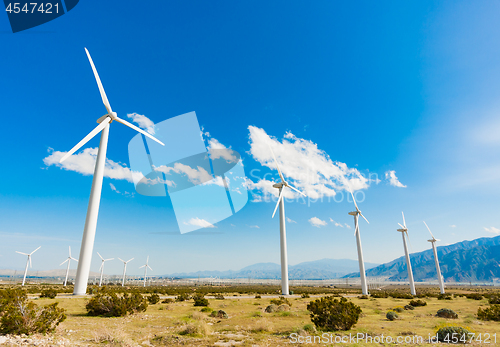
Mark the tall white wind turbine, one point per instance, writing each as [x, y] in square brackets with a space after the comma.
[27, 262]
[438, 269]
[82, 273]
[67, 268]
[281, 203]
[404, 230]
[124, 269]
[101, 269]
[362, 273]
[146, 266]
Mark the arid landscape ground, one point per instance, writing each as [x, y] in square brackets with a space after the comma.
[247, 323]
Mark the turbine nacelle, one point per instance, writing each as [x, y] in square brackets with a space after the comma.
[279, 185]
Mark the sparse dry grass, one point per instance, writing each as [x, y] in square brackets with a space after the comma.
[248, 325]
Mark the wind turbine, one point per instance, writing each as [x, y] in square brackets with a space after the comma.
[27, 262]
[284, 258]
[124, 269]
[67, 268]
[404, 230]
[146, 266]
[356, 214]
[101, 269]
[438, 270]
[82, 273]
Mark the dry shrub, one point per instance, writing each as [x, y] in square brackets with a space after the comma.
[198, 315]
[112, 338]
[200, 328]
[261, 326]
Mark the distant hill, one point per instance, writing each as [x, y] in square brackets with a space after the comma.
[45, 273]
[312, 270]
[476, 260]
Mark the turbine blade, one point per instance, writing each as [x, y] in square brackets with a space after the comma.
[364, 218]
[276, 162]
[150, 268]
[35, 250]
[30, 260]
[429, 230]
[130, 260]
[437, 239]
[22, 253]
[99, 84]
[63, 262]
[100, 256]
[101, 267]
[402, 227]
[109, 259]
[408, 237]
[130, 125]
[353, 199]
[86, 139]
[298, 191]
[74, 259]
[278, 203]
[404, 221]
[140, 267]
[121, 260]
[69, 251]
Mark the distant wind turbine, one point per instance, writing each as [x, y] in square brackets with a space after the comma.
[146, 266]
[284, 257]
[82, 273]
[67, 268]
[362, 273]
[404, 230]
[27, 262]
[124, 269]
[101, 269]
[438, 270]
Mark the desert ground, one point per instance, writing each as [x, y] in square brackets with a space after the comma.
[247, 324]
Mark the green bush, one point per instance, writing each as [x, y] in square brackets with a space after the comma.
[206, 309]
[445, 297]
[494, 300]
[446, 313]
[305, 296]
[453, 334]
[398, 309]
[333, 314]
[219, 296]
[48, 293]
[379, 295]
[183, 297]
[417, 303]
[153, 299]
[219, 314]
[409, 307]
[391, 315]
[20, 316]
[282, 300]
[258, 296]
[363, 297]
[167, 301]
[108, 304]
[490, 313]
[474, 296]
[199, 300]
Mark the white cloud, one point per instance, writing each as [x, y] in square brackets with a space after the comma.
[200, 223]
[316, 222]
[311, 169]
[347, 226]
[195, 176]
[335, 223]
[254, 226]
[453, 226]
[143, 122]
[393, 180]
[218, 150]
[84, 163]
[493, 230]
[113, 188]
[290, 220]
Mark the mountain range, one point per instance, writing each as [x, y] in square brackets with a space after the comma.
[311, 270]
[467, 261]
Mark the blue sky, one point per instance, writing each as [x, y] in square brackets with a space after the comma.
[405, 87]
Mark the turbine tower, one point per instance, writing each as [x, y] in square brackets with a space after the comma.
[362, 273]
[124, 269]
[27, 262]
[101, 269]
[82, 273]
[67, 268]
[284, 257]
[438, 270]
[404, 230]
[146, 266]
